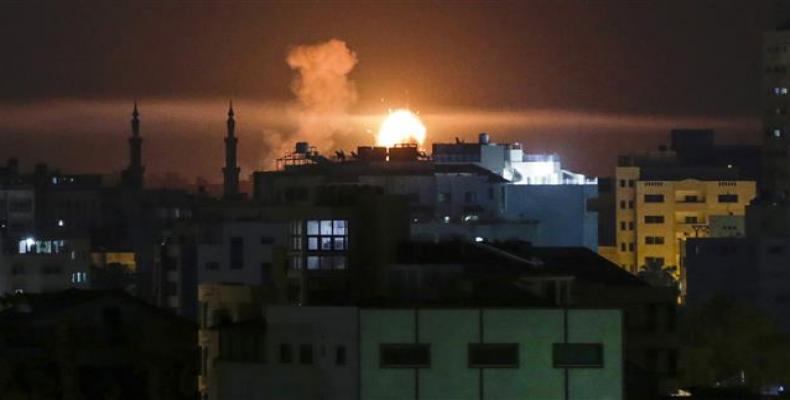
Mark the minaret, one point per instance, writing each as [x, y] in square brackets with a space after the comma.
[231, 170]
[133, 175]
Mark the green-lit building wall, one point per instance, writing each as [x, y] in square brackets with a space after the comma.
[449, 333]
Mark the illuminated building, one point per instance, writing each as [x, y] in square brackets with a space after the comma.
[446, 199]
[660, 204]
[509, 161]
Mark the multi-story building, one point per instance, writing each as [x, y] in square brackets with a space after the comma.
[657, 212]
[694, 189]
[403, 352]
[469, 280]
[457, 197]
[509, 161]
[44, 265]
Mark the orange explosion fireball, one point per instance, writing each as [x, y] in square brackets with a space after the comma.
[401, 126]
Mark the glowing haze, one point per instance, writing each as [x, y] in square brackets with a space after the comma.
[401, 126]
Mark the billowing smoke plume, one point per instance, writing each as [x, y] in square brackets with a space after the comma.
[324, 91]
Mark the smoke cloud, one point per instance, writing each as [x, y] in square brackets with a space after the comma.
[324, 93]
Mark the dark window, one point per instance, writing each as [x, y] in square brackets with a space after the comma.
[631, 226]
[691, 199]
[630, 183]
[470, 198]
[622, 225]
[266, 272]
[630, 204]
[622, 246]
[491, 193]
[672, 362]
[691, 219]
[654, 261]
[654, 198]
[286, 356]
[654, 219]
[340, 355]
[171, 288]
[236, 253]
[578, 355]
[493, 355]
[622, 183]
[631, 246]
[776, 250]
[306, 354]
[672, 317]
[728, 198]
[407, 355]
[622, 204]
[654, 240]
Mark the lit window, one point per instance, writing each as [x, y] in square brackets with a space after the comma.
[312, 227]
[339, 227]
[313, 262]
[326, 227]
[777, 133]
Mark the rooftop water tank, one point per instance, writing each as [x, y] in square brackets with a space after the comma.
[483, 138]
[302, 147]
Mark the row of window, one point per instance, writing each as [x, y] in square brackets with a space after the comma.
[722, 198]
[651, 240]
[491, 355]
[656, 219]
[306, 354]
[479, 355]
[318, 262]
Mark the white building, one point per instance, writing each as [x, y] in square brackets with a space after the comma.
[509, 161]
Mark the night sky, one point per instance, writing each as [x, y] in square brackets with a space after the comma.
[586, 79]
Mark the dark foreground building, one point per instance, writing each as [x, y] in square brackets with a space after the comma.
[442, 302]
[94, 345]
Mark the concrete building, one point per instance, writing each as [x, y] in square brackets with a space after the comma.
[396, 353]
[662, 199]
[750, 270]
[509, 161]
[468, 281]
[563, 213]
[43, 265]
[446, 199]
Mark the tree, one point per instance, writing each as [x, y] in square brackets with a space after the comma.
[722, 340]
[658, 275]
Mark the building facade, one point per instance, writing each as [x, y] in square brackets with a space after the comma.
[397, 353]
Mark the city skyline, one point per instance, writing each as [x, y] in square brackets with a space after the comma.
[579, 103]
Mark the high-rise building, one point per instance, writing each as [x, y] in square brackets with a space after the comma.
[776, 121]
